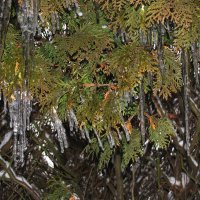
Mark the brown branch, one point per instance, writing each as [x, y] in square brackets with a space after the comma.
[110, 85]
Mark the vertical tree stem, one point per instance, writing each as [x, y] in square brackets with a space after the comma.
[119, 178]
[142, 119]
[134, 169]
[185, 65]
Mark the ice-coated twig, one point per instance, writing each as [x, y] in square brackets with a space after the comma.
[87, 134]
[127, 134]
[98, 139]
[111, 140]
[32, 190]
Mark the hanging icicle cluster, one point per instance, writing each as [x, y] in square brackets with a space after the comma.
[20, 110]
[58, 127]
[20, 107]
[74, 126]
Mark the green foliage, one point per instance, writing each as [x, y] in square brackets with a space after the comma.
[45, 84]
[131, 150]
[129, 64]
[92, 149]
[12, 65]
[89, 68]
[58, 190]
[87, 43]
[171, 82]
[105, 156]
[161, 132]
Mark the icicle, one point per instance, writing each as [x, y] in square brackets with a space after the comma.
[195, 63]
[126, 132]
[82, 133]
[127, 97]
[19, 110]
[28, 16]
[125, 129]
[15, 148]
[73, 117]
[111, 140]
[71, 124]
[143, 38]
[98, 139]
[87, 134]
[160, 49]
[4, 104]
[142, 119]
[154, 38]
[57, 22]
[60, 131]
[119, 135]
[78, 11]
[53, 23]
